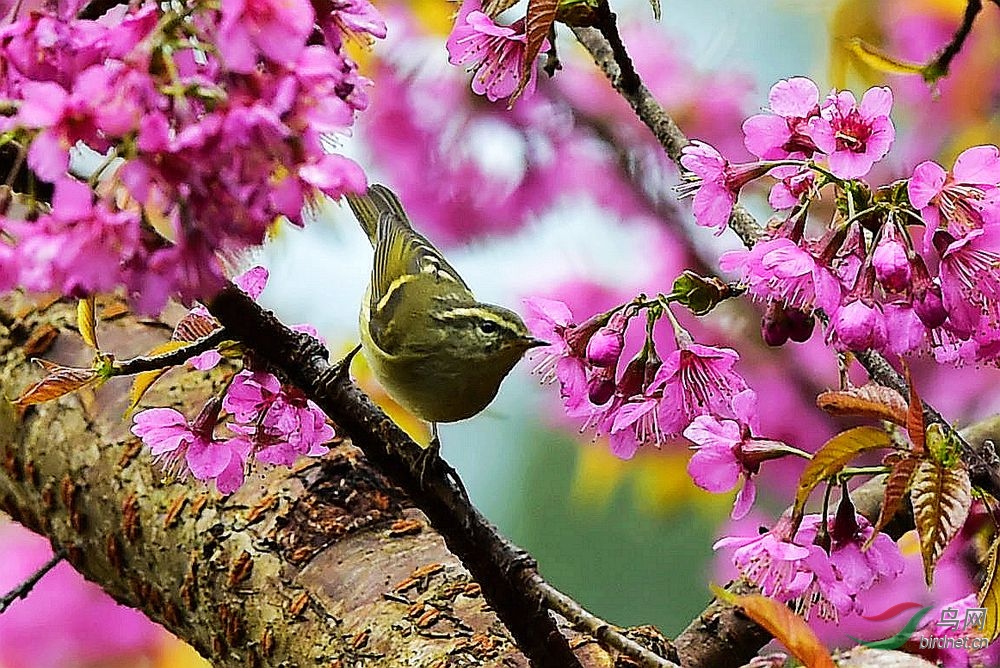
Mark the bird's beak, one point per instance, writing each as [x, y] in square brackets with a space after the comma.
[536, 343]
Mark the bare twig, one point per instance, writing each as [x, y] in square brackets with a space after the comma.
[172, 358]
[941, 63]
[606, 634]
[22, 590]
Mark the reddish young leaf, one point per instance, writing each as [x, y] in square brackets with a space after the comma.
[915, 426]
[834, 456]
[870, 400]
[58, 380]
[194, 326]
[541, 16]
[787, 628]
[941, 499]
[897, 484]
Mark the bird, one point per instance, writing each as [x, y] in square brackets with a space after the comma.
[436, 350]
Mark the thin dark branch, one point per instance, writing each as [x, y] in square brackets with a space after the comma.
[656, 118]
[606, 634]
[172, 358]
[940, 65]
[22, 590]
[507, 574]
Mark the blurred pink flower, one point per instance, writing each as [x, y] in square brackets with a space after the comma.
[65, 620]
[276, 29]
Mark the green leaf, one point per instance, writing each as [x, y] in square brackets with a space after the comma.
[834, 456]
[86, 321]
[941, 499]
[787, 628]
[989, 594]
[879, 60]
[870, 400]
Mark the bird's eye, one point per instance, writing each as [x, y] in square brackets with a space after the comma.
[488, 327]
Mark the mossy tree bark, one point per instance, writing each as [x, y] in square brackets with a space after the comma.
[326, 564]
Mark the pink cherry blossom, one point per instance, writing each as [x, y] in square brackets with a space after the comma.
[965, 199]
[727, 450]
[783, 132]
[892, 264]
[970, 279]
[605, 346]
[771, 560]
[860, 325]
[189, 447]
[788, 564]
[495, 53]
[715, 183]
[565, 358]
[274, 29]
[794, 183]
[696, 380]
[779, 269]
[854, 136]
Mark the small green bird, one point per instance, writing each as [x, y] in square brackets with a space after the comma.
[435, 349]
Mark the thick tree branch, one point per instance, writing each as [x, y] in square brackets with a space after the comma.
[507, 573]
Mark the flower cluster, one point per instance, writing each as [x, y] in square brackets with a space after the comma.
[823, 571]
[214, 121]
[694, 390]
[262, 418]
[878, 287]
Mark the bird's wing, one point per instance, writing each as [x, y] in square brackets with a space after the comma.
[408, 274]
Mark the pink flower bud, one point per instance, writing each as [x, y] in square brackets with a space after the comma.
[605, 347]
[601, 386]
[892, 266]
[929, 307]
[859, 326]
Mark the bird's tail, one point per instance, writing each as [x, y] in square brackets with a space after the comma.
[369, 208]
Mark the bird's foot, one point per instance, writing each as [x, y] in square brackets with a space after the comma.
[430, 459]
